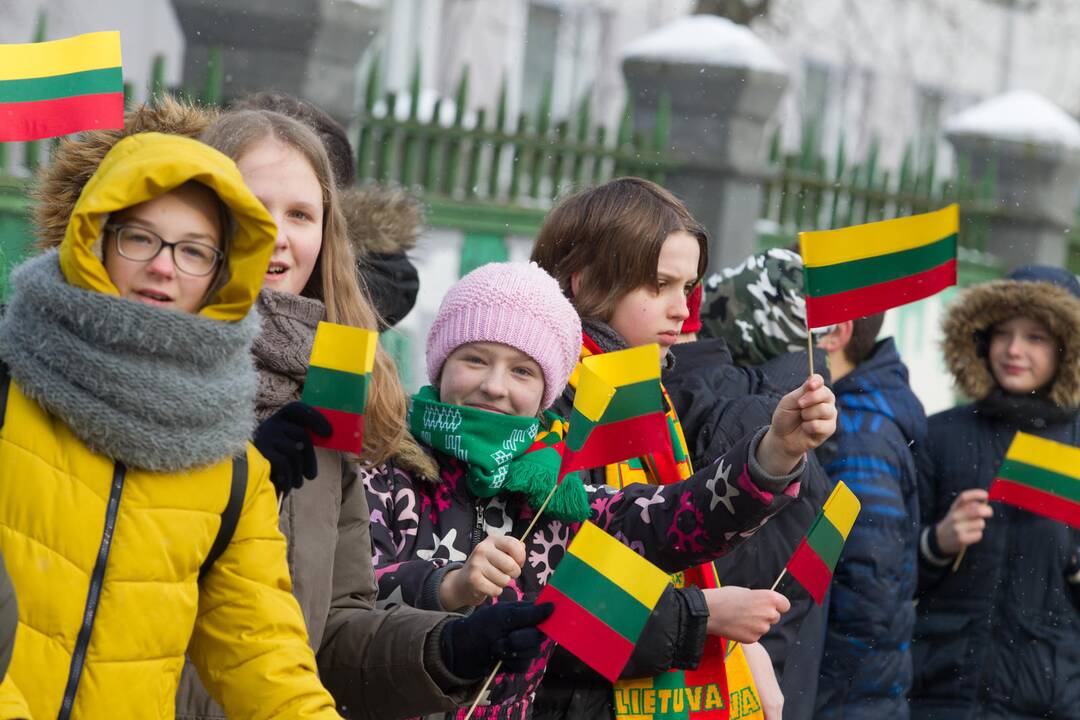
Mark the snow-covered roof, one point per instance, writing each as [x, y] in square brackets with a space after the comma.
[1020, 116]
[705, 39]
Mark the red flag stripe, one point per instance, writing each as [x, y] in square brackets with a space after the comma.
[607, 444]
[806, 567]
[853, 304]
[1042, 503]
[584, 635]
[348, 434]
[50, 118]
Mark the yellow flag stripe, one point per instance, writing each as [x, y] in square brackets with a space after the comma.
[593, 394]
[842, 508]
[830, 247]
[624, 567]
[626, 367]
[1046, 454]
[345, 348]
[92, 51]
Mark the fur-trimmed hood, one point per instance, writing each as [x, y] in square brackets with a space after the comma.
[983, 306]
[381, 220]
[59, 184]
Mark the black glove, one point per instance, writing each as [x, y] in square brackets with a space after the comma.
[504, 631]
[283, 440]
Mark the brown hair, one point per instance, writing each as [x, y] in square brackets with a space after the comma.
[864, 332]
[612, 235]
[333, 280]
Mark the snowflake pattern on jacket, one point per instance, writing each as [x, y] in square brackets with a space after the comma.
[421, 529]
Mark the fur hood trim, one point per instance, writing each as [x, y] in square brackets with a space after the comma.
[985, 305]
[381, 219]
[59, 184]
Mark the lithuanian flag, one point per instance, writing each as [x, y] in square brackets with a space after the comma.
[866, 269]
[603, 594]
[60, 87]
[337, 382]
[618, 409]
[815, 558]
[1041, 476]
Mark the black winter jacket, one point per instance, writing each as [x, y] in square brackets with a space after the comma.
[866, 664]
[1000, 637]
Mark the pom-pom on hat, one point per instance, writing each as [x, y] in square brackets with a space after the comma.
[516, 304]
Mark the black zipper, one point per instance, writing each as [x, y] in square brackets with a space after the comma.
[82, 642]
[478, 527]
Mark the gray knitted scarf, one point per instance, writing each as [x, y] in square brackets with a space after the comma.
[283, 348]
[155, 389]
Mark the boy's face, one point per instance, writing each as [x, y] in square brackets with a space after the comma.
[656, 313]
[189, 213]
[493, 377]
[1023, 355]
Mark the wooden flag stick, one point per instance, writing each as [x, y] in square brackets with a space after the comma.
[483, 689]
[959, 559]
[498, 665]
[809, 354]
[781, 577]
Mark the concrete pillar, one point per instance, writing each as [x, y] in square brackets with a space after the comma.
[309, 48]
[725, 84]
[1033, 148]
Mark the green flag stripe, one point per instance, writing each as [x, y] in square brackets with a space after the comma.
[1041, 478]
[87, 82]
[842, 277]
[825, 540]
[336, 390]
[579, 430]
[633, 400]
[598, 595]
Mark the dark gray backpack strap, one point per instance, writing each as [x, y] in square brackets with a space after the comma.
[5, 382]
[230, 516]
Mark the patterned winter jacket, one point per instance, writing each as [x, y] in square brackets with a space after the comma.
[422, 529]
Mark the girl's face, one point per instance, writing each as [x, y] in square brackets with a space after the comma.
[493, 377]
[187, 214]
[284, 181]
[655, 313]
[1023, 355]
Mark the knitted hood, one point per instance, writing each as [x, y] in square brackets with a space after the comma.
[971, 316]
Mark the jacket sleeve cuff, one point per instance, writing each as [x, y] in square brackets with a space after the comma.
[773, 483]
[929, 549]
[690, 645]
[429, 594]
[447, 681]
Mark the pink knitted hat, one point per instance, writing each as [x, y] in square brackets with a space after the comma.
[516, 304]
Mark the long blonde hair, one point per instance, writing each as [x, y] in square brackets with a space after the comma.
[334, 280]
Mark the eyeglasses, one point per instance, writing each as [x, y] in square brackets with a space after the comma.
[141, 245]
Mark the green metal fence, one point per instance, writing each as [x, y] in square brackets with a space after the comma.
[487, 173]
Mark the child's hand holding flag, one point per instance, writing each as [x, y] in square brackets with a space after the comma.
[803, 419]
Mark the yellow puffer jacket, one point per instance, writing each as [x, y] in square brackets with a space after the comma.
[105, 561]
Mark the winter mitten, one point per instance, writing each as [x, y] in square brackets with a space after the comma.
[504, 631]
[283, 440]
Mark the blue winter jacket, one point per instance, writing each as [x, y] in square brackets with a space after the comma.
[866, 667]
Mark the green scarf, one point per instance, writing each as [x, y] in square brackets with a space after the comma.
[503, 453]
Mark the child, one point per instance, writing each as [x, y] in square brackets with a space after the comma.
[628, 254]
[500, 351]
[1000, 635]
[124, 440]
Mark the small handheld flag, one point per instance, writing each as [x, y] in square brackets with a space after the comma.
[618, 409]
[603, 594]
[814, 560]
[60, 87]
[861, 270]
[1040, 476]
[337, 382]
